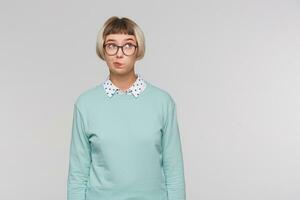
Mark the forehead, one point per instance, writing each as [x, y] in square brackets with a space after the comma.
[120, 37]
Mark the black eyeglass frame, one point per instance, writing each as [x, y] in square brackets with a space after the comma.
[135, 47]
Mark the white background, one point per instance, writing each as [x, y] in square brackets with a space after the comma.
[231, 66]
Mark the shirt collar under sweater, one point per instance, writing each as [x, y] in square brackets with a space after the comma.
[135, 89]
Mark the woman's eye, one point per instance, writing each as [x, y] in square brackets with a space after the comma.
[111, 45]
[128, 45]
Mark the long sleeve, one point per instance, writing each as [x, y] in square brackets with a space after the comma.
[79, 159]
[173, 166]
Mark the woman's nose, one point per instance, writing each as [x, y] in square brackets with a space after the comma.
[119, 52]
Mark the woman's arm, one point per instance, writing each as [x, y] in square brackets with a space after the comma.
[79, 159]
[172, 155]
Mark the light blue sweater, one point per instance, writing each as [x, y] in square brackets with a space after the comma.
[125, 148]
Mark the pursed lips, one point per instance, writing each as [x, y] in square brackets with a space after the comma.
[117, 64]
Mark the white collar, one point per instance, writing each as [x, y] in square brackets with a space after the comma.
[135, 89]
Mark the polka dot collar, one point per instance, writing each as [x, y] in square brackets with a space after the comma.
[135, 89]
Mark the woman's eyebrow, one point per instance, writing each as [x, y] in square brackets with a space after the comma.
[115, 40]
[129, 39]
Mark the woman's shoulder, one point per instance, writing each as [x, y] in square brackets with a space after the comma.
[161, 93]
[88, 95]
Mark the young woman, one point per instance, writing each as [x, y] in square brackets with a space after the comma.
[125, 142]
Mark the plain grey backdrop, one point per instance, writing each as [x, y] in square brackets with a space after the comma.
[231, 66]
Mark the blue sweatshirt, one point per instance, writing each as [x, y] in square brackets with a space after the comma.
[125, 148]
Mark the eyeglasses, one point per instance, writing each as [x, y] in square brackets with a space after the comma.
[128, 49]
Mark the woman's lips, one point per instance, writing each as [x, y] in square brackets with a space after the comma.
[117, 64]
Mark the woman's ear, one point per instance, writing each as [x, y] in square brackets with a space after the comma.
[104, 57]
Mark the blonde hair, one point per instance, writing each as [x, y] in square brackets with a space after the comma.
[124, 25]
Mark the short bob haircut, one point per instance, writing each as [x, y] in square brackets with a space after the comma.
[116, 25]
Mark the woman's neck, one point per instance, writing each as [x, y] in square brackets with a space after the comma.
[123, 81]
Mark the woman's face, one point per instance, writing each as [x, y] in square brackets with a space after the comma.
[120, 63]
